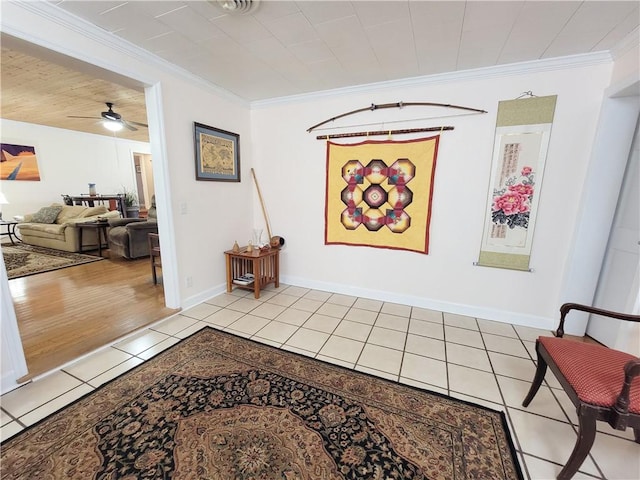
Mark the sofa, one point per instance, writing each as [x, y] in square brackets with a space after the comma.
[128, 237]
[55, 226]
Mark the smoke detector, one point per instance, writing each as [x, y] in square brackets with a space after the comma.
[239, 7]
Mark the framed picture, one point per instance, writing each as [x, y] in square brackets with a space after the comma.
[523, 131]
[18, 162]
[217, 154]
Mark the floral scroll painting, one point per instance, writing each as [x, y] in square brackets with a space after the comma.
[520, 151]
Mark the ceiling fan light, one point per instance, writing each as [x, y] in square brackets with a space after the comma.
[111, 125]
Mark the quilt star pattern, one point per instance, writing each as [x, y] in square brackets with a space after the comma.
[379, 193]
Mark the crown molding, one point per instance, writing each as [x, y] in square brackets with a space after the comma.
[51, 12]
[632, 40]
[521, 68]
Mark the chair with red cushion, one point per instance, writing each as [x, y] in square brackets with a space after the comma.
[603, 383]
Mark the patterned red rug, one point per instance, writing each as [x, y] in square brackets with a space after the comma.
[216, 406]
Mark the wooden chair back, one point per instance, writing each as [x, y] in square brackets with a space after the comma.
[154, 255]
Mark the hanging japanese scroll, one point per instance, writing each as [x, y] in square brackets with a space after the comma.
[523, 129]
[378, 193]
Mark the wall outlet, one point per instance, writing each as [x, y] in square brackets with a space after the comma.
[184, 209]
[189, 282]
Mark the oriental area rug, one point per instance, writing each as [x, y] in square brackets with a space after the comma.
[217, 406]
[21, 260]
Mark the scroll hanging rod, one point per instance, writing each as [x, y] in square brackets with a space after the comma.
[528, 93]
[396, 105]
[383, 132]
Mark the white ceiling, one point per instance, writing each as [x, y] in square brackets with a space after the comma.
[294, 47]
[287, 48]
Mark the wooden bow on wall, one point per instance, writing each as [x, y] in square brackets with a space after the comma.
[396, 105]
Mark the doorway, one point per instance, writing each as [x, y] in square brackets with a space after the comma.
[143, 168]
[619, 283]
[14, 358]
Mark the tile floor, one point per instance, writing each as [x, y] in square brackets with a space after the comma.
[478, 360]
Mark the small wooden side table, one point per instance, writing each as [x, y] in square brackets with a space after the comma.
[263, 264]
[101, 232]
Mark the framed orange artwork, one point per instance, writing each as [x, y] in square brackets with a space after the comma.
[18, 162]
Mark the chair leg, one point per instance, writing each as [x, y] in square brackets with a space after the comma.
[636, 434]
[586, 436]
[537, 380]
[153, 270]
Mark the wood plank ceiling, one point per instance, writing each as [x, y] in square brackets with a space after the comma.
[38, 91]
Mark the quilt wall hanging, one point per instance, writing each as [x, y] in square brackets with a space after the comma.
[523, 130]
[378, 193]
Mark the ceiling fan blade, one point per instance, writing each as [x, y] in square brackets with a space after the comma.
[128, 125]
[138, 124]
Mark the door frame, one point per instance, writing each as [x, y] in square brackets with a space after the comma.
[154, 105]
[600, 192]
[613, 333]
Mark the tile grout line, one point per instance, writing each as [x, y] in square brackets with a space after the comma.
[522, 454]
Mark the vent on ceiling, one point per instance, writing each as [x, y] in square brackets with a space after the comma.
[239, 7]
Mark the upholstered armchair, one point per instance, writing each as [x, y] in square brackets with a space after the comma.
[603, 383]
[128, 237]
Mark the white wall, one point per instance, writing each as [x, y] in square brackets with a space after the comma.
[202, 219]
[68, 161]
[291, 166]
[12, 362]
[197, 220]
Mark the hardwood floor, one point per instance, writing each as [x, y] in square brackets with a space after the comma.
[67, 313]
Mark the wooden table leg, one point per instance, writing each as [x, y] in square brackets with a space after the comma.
[99, 238]
[229, 279]
[257, 277]
[80, 239]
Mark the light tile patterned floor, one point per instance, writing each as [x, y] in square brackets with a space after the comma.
[477, 360]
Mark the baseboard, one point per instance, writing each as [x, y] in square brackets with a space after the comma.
[8, 382]
[505, 316]
[203, 296]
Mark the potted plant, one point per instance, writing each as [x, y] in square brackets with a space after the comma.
[131, 206]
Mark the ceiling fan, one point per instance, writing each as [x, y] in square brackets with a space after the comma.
[114, 121]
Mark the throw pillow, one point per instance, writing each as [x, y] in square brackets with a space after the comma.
[46, 214]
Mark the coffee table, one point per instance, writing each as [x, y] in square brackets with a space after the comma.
[10, 230]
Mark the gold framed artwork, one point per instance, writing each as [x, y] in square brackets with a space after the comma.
[217, 154]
